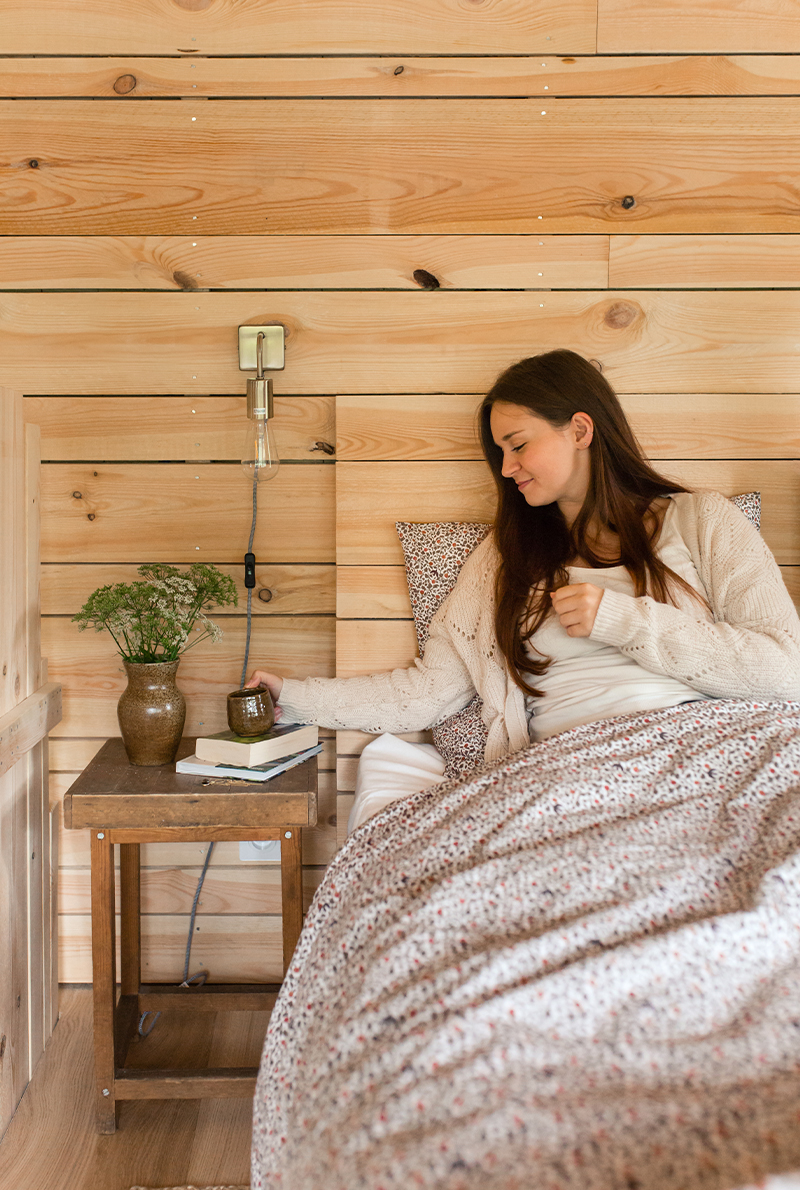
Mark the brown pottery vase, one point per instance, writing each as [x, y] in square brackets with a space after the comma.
[151, 712]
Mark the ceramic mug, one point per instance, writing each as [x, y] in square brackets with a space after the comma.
[250, 712]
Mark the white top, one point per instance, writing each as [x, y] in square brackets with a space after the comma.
[591, 680]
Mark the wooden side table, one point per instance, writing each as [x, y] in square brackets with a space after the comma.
[120, 803]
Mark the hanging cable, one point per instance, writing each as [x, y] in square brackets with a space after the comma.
[201, 975]
[250, 587]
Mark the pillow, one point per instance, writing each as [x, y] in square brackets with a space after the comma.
[750, 504]
[434, 554]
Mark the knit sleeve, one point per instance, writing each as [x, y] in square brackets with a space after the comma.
[752, 650]
[412, 699]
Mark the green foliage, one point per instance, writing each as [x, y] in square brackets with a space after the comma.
[152, 620]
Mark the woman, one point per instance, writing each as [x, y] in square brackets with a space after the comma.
[604, 588]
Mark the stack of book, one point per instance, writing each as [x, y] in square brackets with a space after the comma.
[255, 759]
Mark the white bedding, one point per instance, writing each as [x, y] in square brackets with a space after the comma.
[391, 768]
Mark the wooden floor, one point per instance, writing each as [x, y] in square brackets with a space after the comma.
[51, 1143]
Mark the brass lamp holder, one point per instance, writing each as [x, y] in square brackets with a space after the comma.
[262, 348]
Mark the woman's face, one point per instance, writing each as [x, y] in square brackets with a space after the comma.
[547, 463]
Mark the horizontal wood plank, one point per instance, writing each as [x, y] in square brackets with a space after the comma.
[681, 262]
[299, 27]
[265, 261]
[185, 428]
[279, 590]
[374, 646]
[647, 341]
[352, 743]
[244, 949]
[372, 592]
[696, 26]
[130, 78]
[668, 426]
[184, 512]
[92, 676]
[428, 165]
[231, 892]
[372, 496]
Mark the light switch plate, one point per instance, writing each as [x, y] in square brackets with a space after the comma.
[266, 851]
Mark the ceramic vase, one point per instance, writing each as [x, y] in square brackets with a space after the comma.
[151, 712]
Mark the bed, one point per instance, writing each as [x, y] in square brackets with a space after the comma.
[576, 968]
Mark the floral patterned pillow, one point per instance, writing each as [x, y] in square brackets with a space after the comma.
[434, 554]
[750, 504]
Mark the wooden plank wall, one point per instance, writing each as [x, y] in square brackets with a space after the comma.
[421, 193]
[28, 959]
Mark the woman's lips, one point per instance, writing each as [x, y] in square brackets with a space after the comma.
[524, 484]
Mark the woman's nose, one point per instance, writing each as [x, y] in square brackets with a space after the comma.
[510, 465]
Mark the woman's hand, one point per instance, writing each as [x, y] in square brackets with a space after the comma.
[273, 683]
[576, 607]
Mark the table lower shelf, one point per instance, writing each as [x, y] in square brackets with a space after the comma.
[238, 1082]
[215, 997]
[185, 1082]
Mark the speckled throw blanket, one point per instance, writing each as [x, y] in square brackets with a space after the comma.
[579, 968]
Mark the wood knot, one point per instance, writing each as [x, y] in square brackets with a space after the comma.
[265, 595]
[193, 5]
[596, 364]
[33, 163]
[183, 280]
[77, 495]
[628, 202]
[425, 279]
[399, 69]
[620, 314]
[90, 516]
[568, 61]
[125, 84]
[326, 447]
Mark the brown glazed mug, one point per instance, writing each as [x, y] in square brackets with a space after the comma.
[250, 712]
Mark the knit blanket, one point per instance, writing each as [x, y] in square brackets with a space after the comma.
[578, 969]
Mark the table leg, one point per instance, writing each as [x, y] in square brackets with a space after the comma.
[127, 1014]
[291, 892]
[103, 977]
[130, 919]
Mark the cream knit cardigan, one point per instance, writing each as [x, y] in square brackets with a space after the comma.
[752, 650]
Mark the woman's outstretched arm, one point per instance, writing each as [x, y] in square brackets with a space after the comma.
[401, 700]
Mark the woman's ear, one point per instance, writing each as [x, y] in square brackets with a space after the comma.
[583, 429]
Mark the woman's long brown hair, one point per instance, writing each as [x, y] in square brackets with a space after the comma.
[535, 543]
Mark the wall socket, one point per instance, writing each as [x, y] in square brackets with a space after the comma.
[266, 850]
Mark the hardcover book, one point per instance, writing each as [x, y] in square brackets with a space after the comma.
[280, 740]
[262, 772]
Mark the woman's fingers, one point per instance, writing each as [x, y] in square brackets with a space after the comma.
[576, 607]
[260, 677]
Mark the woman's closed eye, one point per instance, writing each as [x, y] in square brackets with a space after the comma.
[514, 449]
